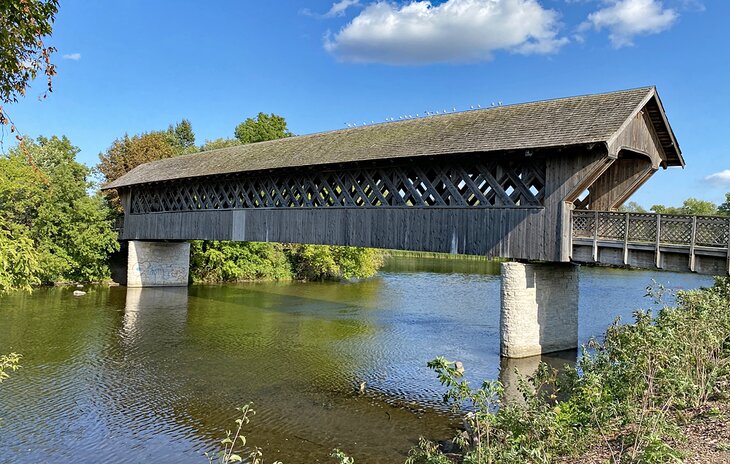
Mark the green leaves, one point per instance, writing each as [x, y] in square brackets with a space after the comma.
[51, 229]
[23, 26]
[264, 127]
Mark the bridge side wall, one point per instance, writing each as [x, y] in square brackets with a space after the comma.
[566, 177]
[513, 232]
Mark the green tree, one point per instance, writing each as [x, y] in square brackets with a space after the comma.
[264, 127]
[691, 206]
[47, 203]
[724, 207]
[182, 137]
[219, 143]
[128, 152]
[632, 207]
[23, 26]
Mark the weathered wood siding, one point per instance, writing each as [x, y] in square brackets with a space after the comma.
[619, 181]
[565, 178]
[640, 136]
[515, 232]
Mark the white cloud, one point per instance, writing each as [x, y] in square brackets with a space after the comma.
[625, 19]
[72, 56]
[720, 179]
[339, 8]
[454, 31]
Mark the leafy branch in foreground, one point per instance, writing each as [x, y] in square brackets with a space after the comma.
[233, 441]
[8, 362]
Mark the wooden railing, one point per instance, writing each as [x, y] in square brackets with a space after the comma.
[660, 231]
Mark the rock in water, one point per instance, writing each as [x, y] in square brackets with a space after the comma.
[79, 293]
[459, 367]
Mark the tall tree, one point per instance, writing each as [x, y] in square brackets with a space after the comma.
[70, 231]
[182, 136]
[128, 152]
[23, 54]
[264, 127]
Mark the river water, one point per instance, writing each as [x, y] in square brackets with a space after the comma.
[155, 375]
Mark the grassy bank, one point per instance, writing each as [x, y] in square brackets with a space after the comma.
[635, 396]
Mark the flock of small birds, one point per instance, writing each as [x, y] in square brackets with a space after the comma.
[425, 114]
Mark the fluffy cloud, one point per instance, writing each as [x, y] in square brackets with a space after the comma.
[720, 179]
[339, 8]
[72, 56]
[454, 31]
[625, 19]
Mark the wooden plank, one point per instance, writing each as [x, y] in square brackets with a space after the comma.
[595, 236]
[626, 239]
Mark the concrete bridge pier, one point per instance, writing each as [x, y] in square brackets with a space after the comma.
[539, 308]
[158, 264]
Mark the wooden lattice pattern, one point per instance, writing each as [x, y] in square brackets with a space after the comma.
[642, 228]
[416, 185]
[709, 231]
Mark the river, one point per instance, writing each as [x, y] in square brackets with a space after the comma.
[155, 375]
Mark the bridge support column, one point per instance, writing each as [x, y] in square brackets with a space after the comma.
[539, 308]
[158, 264]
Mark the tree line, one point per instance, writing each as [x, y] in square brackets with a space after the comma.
[690, 207]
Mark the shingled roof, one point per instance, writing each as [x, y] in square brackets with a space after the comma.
[543, 124]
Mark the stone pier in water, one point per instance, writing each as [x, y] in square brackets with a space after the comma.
[539, 308]
[158, 264]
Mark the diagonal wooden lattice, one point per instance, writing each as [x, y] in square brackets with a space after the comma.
[712, 231]
[676, 230]
[642, 228]
[709, 231]
[417, 185]
[611, 226]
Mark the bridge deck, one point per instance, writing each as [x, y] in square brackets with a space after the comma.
[677, 243]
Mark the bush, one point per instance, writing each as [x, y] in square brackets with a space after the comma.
[218, 261]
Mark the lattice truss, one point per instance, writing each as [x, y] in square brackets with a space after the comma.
[416, 185]
[675, 230]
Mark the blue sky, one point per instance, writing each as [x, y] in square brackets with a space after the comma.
[136, 66]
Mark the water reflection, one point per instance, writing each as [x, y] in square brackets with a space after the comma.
[511, 370]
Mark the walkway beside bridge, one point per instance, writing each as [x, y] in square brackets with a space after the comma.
[510, 182]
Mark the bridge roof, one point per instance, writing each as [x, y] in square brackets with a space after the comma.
[542, 124]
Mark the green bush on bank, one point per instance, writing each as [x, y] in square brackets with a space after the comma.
[220, 261]
[626, 393]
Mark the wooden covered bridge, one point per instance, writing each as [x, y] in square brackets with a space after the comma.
[536, 182]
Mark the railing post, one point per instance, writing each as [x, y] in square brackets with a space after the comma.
[658, 240]
[626, 240]
[595, 237]
[692, 244]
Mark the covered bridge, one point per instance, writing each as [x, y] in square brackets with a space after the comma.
[498, 182]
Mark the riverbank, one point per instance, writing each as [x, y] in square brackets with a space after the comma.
[704, 432]
[654, 390]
